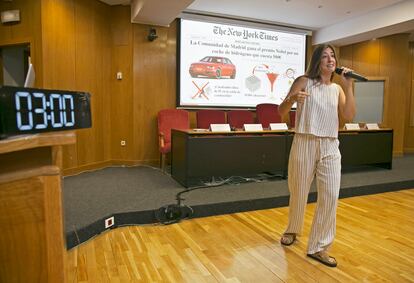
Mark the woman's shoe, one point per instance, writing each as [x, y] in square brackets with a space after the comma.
[288, 239]
[324, 258]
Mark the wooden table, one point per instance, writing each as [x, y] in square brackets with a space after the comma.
[199, 156]
[366, 147]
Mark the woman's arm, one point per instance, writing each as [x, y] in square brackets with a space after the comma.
[347, 107]
[296, 94]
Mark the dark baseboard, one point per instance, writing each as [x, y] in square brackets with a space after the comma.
[78, 236]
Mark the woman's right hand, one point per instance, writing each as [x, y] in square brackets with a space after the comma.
[296, 94]
[299, 96]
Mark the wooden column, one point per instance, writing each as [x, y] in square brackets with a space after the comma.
[32, 245]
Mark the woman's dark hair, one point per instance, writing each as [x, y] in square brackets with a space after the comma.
[313, 71]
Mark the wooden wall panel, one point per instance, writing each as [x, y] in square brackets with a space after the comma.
[58, 48]
[409, 124]
[154, 86]
[386, 57]
[85, 59]
[102, 70]
[77, 56]
[394, 64]
[345, 56]
[366, 57]
[58, 38]
[121, 96]
[92, 74]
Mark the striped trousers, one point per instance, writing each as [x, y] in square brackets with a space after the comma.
[309, 156]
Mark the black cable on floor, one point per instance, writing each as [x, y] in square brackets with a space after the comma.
[174, 213]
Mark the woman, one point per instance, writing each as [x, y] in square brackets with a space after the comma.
[315, 149]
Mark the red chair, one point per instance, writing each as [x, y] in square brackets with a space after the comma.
[292, 118]
[206, 117]
[170, 119]
[237, 118]
[267, 113]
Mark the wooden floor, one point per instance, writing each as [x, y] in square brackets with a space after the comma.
[374, 243]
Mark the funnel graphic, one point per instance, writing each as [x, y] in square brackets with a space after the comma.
[272, 77]
[270, 74]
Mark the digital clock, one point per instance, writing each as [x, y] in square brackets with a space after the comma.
[30, 110]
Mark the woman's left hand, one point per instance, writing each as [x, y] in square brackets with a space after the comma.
[346, 80]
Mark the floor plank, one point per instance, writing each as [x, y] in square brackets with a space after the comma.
[374, 243]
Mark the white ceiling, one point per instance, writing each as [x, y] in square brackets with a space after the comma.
[304, 13]
[336, 21]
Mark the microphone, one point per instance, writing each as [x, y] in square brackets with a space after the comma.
[353, 75]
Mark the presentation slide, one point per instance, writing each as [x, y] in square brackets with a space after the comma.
[232, 66]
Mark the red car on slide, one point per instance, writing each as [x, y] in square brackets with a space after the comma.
[213, 66]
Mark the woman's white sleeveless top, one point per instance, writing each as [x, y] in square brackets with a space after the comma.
[318, 115]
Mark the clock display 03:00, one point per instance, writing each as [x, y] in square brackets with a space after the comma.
[36, 111]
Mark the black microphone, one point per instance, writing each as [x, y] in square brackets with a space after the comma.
[353, 75]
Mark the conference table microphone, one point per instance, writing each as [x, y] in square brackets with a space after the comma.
[353, 75]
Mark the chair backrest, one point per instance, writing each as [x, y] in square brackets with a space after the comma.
[267, 113]
[292, 118]
[237, 118]
[172, 119]
[206, 117]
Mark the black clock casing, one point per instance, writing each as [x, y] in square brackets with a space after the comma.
[32, 110]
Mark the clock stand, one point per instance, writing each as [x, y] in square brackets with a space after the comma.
[32, 244]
